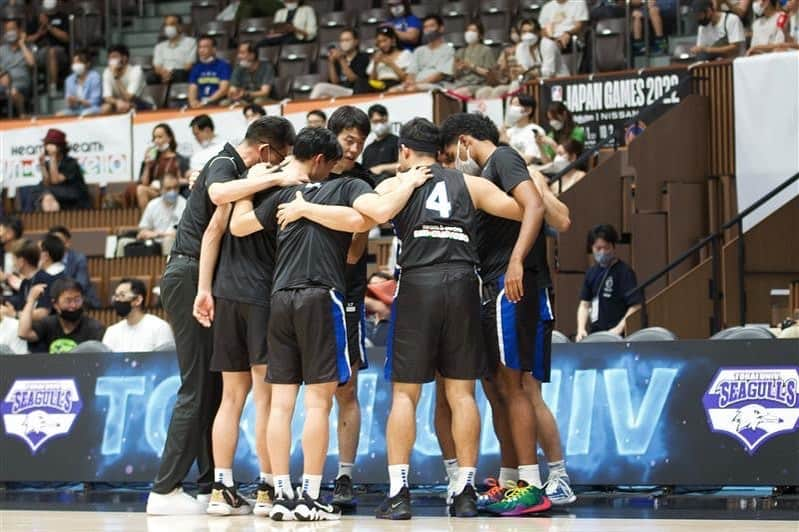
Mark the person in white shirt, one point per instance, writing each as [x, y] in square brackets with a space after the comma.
[720, 35]
[767, 36]
[561, 19]
[138, 332]
[9, 337]
[123, 83]
[520, 130]
[162, 214]
[299, 22]
[539, 52]
[202, 127]
[174, 57]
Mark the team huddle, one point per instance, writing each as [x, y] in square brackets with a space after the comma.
[266, 284]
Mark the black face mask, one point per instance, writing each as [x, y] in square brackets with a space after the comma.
[123, 308]
[72, 316]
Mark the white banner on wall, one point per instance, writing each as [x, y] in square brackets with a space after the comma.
[766, 129]
[101, 145]
[492, 108]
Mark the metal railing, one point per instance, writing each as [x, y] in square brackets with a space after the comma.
[715, 242]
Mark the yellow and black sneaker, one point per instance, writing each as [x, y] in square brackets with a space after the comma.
[263, 500]
[227, 501]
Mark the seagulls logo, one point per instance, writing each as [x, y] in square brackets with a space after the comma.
[38, 410]
[753, 405]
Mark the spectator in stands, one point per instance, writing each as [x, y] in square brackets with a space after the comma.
[62, 176]
[160, 159]
[202, 127]
[406, 25]
[162, 215]
[562, 129]
[16, 62]
[766, 35]
[473, 62]
[52, 256]
[76, 266]
[563, 19]
[389, 65]
[11, 230]
[50, 32]
[174, 57]
[378, 307]
[63, 331]
[9, 331]
[252, 80]
[346, 69]
[567, 153]
[83, 89]
[739, 7]
[432, 62]
[538, 55]
[720, 36]
[316, 118]
[26, 273]
[382, 155]
[653, 9]
[123, 83]
[508, 69]
[238, 11]
[253, 112]
[604, 305]
[138, 332]
[792, 9]
[520, 128]
[293, 23]
[210, 76]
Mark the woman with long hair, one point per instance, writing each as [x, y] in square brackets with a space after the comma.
[389, 64]
[160, 159]
[562, 128]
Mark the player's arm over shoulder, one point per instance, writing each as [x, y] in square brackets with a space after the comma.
[487, 197]
[244, 220]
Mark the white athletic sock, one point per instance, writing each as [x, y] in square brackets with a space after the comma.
[530, 475]
[344, 469]
[266, 478]
[451, 466]
[508, 475]
[283, 486]
[311, 484]
[398, 476]
[557, 469]
[225, 476]
[465, 478]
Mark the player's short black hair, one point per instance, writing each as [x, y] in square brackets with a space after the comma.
[478, 126]
[202, 122]
[346, 117]
[54, 247]
[317, 112]
[273, 130]
[60, 230]
[377, 109]
[121, 49]
[312, 141]
[604, 231]
[62, 285]
[136, 286]
[421, 130]
[13, 223]
[437, 18]
[30, 252]
[255, 108]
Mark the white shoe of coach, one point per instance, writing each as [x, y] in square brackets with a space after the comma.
[176, 502]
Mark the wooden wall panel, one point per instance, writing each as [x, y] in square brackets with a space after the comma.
[566, 296]
[686, 207]
[650, 253]
[714, 80]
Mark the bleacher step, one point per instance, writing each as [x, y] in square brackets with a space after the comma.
[140, 38]
[151, 23]
[169, 8]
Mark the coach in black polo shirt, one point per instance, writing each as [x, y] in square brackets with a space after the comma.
[380, 157]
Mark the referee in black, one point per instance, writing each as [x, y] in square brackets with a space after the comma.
[201, 227]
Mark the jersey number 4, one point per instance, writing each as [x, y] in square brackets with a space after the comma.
[438, 200]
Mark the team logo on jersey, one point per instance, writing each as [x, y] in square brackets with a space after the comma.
[38, 410]
[753, 404]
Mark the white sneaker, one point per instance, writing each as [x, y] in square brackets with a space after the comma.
[176, 502]
[559, 492]
[203, 498]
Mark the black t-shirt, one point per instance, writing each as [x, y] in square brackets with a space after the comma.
[226, 166]
[309, 254]
[246, 265]
[438, 224]
[72, 193]
[359, 64]
[20, 297]
[53, 339]
[381, 151]
[609, 287]
[496, 236]
[356, 273]
[58, 20]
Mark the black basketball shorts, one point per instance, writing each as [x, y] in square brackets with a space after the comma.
[239, 335]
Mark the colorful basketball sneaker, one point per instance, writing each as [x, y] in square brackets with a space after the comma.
[494, 494]
[521, 500]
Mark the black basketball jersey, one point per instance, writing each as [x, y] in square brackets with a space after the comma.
[438, 224]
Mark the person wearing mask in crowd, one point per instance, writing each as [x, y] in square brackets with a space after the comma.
[389, 65]
[540, 56]
[138, 331]
[473, 62]
[160, 159]
[83, 88]
[720, 35]
[9, 332]
[123, 83]
[252, 80]
[653, 13]
[509, 70]
[604, 303]
[76, 266]
[767, 36]
[162, 215]
[16, 62]
[562, 129]
[520, 128]
[432, 62]
[253, 112]
[50, 33]
[567, 153]
[293, 23]
[563, 19]
[62, 331]
[202, 127]
[381, 156]
[346, 69]
[209, 79]
[174, 57]
[316, 118]
[407, 26]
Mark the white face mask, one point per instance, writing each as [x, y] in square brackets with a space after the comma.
[469, 166]
[49, 4]
[758, 9]
[170, 31]
[471, 37]
[529, 38]
[513, 114]
[209, 59]
[291, 5]
[398, 10]
[113, 62]
[380, 129]
[78, 68]
[346, 46]
[557, 125]
[244, 63]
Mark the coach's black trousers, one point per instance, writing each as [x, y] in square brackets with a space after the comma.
[189, 435]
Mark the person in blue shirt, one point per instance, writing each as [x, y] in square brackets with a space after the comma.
[209, 78]
[84, 88]
[407, 26]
